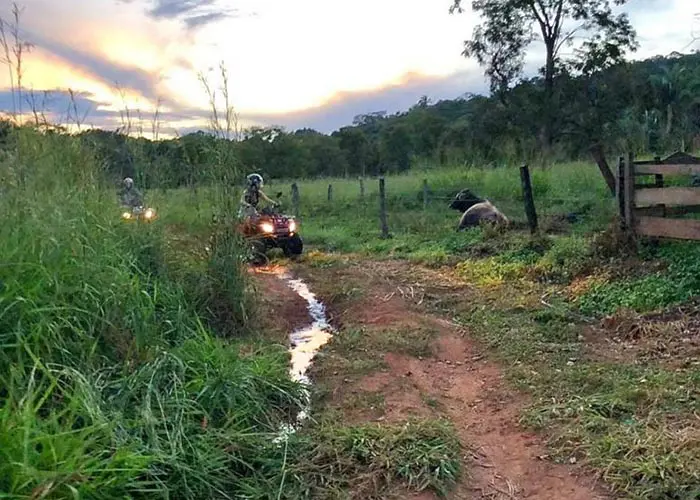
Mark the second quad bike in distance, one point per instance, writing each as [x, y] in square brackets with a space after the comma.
[139, 213]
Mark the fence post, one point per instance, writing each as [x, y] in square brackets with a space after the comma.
[629, 192]
[382, 209]
[659, 183]
[330, 192]
[529, 200]
[620, 190]
[295, 199]
[425, 194]
[362, 187]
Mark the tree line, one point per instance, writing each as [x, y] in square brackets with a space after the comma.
[651, 106]
[590, 100]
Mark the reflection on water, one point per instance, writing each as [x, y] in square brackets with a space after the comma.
[305, 342]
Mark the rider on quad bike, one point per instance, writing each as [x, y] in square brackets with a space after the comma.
[129, 196]
[267, 229]
[251, 196]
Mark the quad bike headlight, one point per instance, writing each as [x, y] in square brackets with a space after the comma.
[149, 213]
[126, 215]
[292, 226]
[267, 227]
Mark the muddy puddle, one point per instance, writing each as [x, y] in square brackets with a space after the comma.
[304, 342]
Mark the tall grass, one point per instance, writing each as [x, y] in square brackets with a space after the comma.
[126, 368]
[110, 385]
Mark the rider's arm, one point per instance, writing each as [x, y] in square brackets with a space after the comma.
[243, 202]
[265, 197]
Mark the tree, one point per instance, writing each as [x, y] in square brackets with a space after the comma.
[353, 142]
[676, 87]
[395, 148]
[510, 26]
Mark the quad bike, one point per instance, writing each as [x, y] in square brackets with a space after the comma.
[138, 213]
[271, 229]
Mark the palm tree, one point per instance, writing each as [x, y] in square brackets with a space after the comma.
[677, 89]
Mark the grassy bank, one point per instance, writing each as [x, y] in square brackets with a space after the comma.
[600, 331]
[111, 384]
[131, 364]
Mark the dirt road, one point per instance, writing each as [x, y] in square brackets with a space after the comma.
[394, 358]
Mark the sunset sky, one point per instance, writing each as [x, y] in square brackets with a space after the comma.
[295, 63]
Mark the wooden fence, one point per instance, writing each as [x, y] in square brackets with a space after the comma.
[649, 209]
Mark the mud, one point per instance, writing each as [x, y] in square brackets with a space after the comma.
[502, 460]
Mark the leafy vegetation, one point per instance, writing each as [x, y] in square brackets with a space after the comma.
[110, 383]
[647, 107]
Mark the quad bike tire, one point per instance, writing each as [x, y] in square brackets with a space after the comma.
[294, 246]
[258, 253]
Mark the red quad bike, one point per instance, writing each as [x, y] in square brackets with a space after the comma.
[271, 229]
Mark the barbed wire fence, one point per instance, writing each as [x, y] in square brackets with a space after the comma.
[525, 209]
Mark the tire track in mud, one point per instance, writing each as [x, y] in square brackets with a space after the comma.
[502, 461]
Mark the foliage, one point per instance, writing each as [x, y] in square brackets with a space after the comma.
[648, 106]
[675, 284]
[127, 368]
[109, 384]
[500, 42]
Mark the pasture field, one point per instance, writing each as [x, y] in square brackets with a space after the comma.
[598, 331]
[135, 363]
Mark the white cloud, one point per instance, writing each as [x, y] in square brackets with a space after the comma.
[287, 58]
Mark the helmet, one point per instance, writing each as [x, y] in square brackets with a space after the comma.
[255, 179]
[128, 182]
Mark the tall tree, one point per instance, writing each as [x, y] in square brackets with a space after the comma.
[354, 143]
[510, 26]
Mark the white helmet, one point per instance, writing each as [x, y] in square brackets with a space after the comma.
[255, 179]
[128, 182]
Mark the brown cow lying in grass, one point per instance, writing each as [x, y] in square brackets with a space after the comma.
[474, 210]
[484, 211]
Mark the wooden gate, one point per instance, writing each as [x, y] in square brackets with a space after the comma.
[651, 209]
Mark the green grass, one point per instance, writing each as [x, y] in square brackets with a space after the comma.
[350, 223]
[633, 421]
[111, 384]
[373, 461]
[130, 363]
[677, 282]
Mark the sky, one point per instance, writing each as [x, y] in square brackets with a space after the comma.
[290, 63]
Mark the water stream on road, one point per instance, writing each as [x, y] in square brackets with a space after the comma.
[304, 343]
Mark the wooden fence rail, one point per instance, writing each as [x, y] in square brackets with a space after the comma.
[645, 208]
